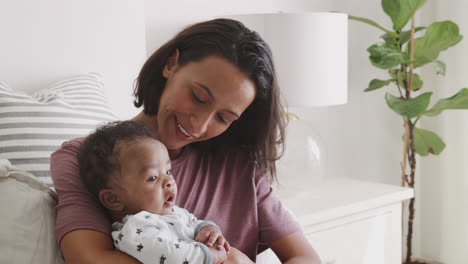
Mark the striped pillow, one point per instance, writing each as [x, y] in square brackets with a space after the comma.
[32, 127]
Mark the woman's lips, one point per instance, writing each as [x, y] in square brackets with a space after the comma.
[182, 133]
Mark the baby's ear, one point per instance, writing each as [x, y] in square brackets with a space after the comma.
[110, 200]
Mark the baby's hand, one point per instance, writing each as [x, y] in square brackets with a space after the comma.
[211, 236]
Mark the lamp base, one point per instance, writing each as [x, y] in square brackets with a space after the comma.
[303, 162]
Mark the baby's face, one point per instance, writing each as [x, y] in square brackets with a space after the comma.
[145, 182]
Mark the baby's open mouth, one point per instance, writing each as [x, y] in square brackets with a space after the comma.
[170, 200]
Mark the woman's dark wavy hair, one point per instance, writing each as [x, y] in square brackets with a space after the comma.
[260, 129]
[97, 158]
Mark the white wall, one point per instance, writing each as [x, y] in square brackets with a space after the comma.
[43, 42]
[444, 178]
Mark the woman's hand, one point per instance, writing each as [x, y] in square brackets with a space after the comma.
[294, 248]
[237, 257]
[219, 255]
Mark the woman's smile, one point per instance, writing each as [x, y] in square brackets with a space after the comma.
[182, 133]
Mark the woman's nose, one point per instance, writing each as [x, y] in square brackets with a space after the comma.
[200, 122]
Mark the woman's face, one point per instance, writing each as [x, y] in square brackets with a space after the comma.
[200, 101]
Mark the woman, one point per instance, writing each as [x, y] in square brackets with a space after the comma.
[211, 96]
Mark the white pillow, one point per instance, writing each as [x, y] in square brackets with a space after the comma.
[28, 218]
[32, 127]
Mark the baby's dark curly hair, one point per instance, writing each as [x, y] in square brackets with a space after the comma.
[97, 157]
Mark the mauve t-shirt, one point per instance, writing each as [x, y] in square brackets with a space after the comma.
[228, 189]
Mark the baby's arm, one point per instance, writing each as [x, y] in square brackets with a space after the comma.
[148, 239]
[206, 232]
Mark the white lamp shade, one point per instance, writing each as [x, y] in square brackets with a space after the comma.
[310, 51]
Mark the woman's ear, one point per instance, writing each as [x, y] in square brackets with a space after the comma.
[111, 200]
[171, 64]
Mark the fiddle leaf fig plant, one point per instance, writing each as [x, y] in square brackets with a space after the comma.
[399, 53]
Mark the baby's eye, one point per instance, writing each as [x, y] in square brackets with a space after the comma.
[152, 178]
[169, 172]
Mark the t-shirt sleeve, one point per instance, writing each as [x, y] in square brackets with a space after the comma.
[274, 220]
[192, 221]
[76, 208]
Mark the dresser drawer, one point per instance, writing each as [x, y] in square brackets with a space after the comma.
[371, 238]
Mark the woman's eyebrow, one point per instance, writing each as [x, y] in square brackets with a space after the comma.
[212, 97]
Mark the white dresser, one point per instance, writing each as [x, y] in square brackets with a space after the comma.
[349, 221]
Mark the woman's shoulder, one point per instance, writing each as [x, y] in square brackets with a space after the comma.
[64, 163]
[69, 147]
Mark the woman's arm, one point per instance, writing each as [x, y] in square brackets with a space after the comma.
[87, 246]
[295, 249]
[237, 257]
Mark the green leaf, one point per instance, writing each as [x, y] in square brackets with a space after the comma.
[427, 142]
[457, 101]
[376, 84]
[393, 73]
[398, 76]
[401, 76]
[417, 83]
[373, 23]
[439, 37]
[404, 37]
[410, 108]
[440, 67]
[400, 11]
[385, 56]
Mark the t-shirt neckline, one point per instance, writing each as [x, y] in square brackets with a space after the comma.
[182, 157]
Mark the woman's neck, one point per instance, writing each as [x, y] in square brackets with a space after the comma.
[174, 153]
[151, 122]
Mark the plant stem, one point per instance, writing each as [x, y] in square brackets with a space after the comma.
[412, 162]
[405, 152]
[409, 142]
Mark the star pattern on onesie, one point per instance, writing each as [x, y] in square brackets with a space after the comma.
[139, 247]
[162, 259]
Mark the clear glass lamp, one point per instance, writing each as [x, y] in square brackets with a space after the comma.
[310, 52]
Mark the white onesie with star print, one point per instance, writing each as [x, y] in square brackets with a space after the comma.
[163, 239]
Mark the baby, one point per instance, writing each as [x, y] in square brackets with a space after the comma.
[129, 172]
